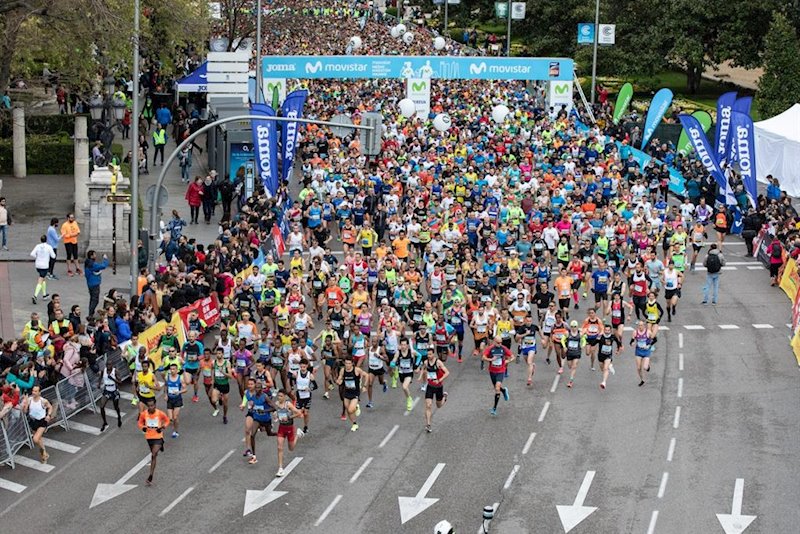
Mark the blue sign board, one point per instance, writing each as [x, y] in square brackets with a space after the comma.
[441, 67]
[241, 157]
[585, 33]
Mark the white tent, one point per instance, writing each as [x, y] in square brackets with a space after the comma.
[778, 149]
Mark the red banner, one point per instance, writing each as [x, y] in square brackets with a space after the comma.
[207, 310]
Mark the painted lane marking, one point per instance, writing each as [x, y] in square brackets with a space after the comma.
[328, 510]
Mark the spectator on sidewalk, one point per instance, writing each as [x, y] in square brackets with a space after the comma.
[69, 234]
[194, 197]
[209, 198]
[5, 222]
[159, 142]
[713, 263]
[53, 237]
[94, 278]
[185, 162]
[164, 115]
[42, 254]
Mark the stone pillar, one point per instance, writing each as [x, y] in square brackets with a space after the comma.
[18, 129]
[81, 164]
[99, 215]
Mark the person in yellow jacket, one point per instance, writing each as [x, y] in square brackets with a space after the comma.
[159, 142]
[367, 238]
[61, 326]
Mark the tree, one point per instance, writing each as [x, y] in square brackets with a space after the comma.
[779, 86]
[238, 21]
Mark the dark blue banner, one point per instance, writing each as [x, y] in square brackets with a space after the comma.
[265, 143]
[703, 149]
[743, 152]
[724, 108]
[742, 105]
[292, 108]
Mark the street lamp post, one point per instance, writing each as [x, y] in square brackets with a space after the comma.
[134, 226]
[594, 53]
[106, 112]
[508, 29]
[259, 80]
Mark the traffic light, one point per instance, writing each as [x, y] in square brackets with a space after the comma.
[371, 139]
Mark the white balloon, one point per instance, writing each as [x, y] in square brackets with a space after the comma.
[439, 43]
[395, 32]
[408, 38]
[355, 42]
[499, 113]
[401, 29]
[407, 108]
[441, 122]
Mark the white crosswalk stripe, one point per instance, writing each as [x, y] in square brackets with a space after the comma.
[33, 464]
[12, 486]
[60, 446]
[694, 327]
[762, 326]
[125, 395]
[728, 327]
[87, 429]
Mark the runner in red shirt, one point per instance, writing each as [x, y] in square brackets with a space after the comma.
[498, 357]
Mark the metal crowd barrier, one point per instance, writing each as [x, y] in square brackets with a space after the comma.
[15, 433]
[59, 418]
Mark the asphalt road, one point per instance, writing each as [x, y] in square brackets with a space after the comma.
[721, 405]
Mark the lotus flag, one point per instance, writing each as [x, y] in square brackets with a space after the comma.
[265, 141]
[292, 108]
[743, 152]
[724, 109]
[658, 107]
[703, 149]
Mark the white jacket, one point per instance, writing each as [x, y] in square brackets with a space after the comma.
[43, 252]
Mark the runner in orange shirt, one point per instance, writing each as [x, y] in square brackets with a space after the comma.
[563, 287]
[153, 422]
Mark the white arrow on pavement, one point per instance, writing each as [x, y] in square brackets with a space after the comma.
[255, 499]
[106, 492]
[572, 515]
[410, 507]
[735, 522]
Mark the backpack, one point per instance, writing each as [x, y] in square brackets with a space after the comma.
[777, 250]
[713, 263]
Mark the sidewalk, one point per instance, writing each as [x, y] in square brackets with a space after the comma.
[33, 201]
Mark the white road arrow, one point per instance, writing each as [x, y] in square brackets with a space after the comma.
[410, 507]
[735, 522]
[255, 499]
[106, 492]
[572, 515]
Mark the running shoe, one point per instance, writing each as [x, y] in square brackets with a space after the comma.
[358, 410]
[409, 404]
[602, 385]
[343, 417]
[280, 472]
[149, 480]
[428, 429]
[459, 359]
[492, 412]
[195, 398]
[641, 383]
[224, 419]
[547, 360]
[584, 294]
[506, 396]
[593, 369]
[569, 383]
[33, 300]
[215, 412]
[369, 405]
[134, 401]
[611, 368]
[530, 382]
[175, 435]
[385, 387]
[444, 397]
[560, 370]
[354, 427]
[330, 387]
[300, 433]
[252, 460]
[394, 381]
[247, 453]
[576, 306]
[326, 396]
[47, 296]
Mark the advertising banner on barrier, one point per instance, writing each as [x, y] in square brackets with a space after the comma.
[790, 280]
[443, 67]
[150, 337]
[207, 311]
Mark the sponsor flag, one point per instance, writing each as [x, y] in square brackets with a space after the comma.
[623, 101]
[277, 238]
[265, 143]
[742, 105]
[292, 108]
[658, 107]
[724, 108]
[684, 145]
[738, 224]
[703, 149]
[742, 152]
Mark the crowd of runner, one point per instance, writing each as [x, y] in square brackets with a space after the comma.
[532, 241]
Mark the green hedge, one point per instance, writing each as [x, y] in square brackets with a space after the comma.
[45, 154]
[40, 124]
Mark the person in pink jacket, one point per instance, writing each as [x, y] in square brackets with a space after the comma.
[194, 196]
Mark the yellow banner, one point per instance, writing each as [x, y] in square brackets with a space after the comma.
[790, 280]
[796, 346]
[150, 337]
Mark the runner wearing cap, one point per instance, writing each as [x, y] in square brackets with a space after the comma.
[573, 344]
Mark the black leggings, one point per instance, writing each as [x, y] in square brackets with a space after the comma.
[195, 213]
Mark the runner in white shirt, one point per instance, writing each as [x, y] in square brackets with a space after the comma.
[42, 254]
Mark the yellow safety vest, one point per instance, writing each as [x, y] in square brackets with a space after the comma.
[160, 137]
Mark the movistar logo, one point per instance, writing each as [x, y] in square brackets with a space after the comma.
[479, 68]
[418, 86]
[274, 86]
[313, 68]
[561, 88]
